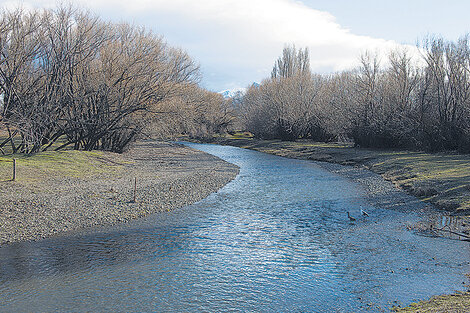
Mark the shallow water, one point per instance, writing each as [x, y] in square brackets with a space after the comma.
[275, 239]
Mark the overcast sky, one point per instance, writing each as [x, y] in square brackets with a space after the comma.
[237, 41]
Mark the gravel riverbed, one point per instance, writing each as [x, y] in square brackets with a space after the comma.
[378, 191]
[167, 176]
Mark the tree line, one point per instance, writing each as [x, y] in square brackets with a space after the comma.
[197, 113]
[69, 79]
[413, 101]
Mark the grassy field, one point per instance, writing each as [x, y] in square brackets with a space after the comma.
[34, 169]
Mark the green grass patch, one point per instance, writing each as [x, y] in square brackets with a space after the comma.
[322, 144]
[239, 135]
[43, 165]
[7, 149]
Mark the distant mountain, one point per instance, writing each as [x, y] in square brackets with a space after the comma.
[230, 93]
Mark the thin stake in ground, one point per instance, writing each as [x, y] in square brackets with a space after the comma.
[14, 170]
[135, 188]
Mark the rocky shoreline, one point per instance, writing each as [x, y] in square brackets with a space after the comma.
[166, 175]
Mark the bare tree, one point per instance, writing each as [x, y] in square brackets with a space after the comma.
[447, 92]
[291, 63]
[66, 74]
[195, 112]
[413, 103]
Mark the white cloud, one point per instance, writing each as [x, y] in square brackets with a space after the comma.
[237, 41]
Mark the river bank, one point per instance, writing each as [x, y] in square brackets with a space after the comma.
[57, 192]
[454, 303]
[442, 179]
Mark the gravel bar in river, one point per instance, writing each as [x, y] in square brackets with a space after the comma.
[167, 175]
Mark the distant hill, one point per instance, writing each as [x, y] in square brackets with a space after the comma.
[230, 93]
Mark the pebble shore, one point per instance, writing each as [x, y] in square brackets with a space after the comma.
[167, 176]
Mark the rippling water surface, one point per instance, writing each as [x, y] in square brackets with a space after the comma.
[275, 239]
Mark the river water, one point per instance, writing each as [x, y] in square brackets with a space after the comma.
[275, 239]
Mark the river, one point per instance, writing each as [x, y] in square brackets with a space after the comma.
[275, 239]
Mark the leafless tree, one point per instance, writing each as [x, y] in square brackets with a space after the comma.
[291, 63]
[195, 112]
[411, 103]
[67, 75]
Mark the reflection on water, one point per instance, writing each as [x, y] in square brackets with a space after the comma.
[277, 238]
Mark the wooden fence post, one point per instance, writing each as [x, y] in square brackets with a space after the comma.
[14, 169]
[135, 187]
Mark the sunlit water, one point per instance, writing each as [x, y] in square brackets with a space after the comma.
[275, 239]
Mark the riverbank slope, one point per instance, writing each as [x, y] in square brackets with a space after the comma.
[442, 179]
[455, 303]
[61, 191]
